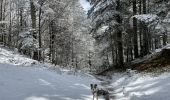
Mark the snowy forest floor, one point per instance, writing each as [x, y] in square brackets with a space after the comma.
[24, 79]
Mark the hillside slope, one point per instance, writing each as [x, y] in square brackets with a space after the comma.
[158, 61]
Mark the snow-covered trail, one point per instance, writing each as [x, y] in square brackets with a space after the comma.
[24, 79]
[21, 83]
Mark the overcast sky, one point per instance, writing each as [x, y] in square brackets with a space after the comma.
[85, 5]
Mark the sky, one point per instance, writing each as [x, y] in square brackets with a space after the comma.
[85, 5]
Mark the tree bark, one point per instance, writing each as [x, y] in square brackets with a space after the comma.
[39, 34]
[1, 17]
[119, 36]
[140, 30]
[34, 33]
[135, 39]
[145, 32]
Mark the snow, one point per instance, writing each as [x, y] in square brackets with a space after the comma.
[13, 58]
[39, 84]
[146, 17]
[166, 20]
[137, 86]
[151, 55]
[165, 47]
[4, 22]
[49, 11]
[27, 40]
[85, 5]
[24, 79]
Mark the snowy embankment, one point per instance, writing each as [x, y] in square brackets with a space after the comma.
[39, 83]
[154, 53]
[138, 86]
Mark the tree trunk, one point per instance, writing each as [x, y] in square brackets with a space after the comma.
[145, 32]
[164, 39]
[33, 16]
[1, 18]
[140, 29]
[135, 38]
[33, 20]
[52, 41]
[39, 33]
[10, 26]
[119, 36]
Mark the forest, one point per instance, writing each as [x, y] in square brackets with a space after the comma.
[112, 33]
[96, 37]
